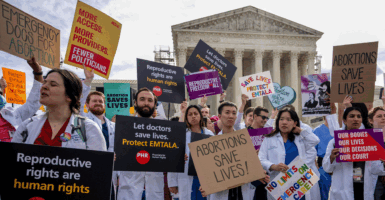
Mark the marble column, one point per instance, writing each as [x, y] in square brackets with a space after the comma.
[238, 56]
[277, 66]
[258, 57]
[215, 98]
[302, 64]
[294, 79]
[181, 58]
[310, 61]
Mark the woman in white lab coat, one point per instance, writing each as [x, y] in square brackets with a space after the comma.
[60, 93]
[344, 185]
[182, 183]
[284, 144]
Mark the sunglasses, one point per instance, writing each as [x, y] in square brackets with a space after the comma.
[263, 117]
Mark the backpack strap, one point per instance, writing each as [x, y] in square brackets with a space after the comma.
[80, 127]
[24, 134]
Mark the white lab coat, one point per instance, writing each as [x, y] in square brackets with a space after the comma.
[182, 180]
[131, 184]
[247, 189]
[342, 178]
[110, 127]
[95, 140]
[16, 116]
[272, 151]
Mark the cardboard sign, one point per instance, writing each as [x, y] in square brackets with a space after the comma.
[165, 81]
[25, 36]
[359, 145]
[204, 57]
[226, 161]
[144, 144]
[117, 99]
[194, 137]
[93, 40]
[282, 96]
[15, 90]
[314, 89]
[354, 72]
[203, 83]
[257, 136]
[257, 85]
[293, 184]
[37, 172]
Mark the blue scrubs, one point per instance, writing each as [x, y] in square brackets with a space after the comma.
[291, 153]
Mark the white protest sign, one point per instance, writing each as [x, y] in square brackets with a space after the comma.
[293, 184]
[257, 85]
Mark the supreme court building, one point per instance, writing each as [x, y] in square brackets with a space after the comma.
[254, 41]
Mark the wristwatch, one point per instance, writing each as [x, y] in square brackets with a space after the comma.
[37, 73]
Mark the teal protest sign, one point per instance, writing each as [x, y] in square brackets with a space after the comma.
[117, 99]
[282, 96]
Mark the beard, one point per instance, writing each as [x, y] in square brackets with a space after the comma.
[144, 113]
[97, 110]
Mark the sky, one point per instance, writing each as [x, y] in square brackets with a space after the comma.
[147, 23]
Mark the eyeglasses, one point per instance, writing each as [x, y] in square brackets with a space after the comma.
[264, 117]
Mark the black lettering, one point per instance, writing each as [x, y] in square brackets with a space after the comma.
[361, 85]
[200, 150]
[239, 166]
[232, 171]
[220, 163]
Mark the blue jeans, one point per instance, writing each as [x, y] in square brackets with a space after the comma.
[195, 193]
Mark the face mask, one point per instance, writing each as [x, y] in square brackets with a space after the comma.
[3, 101]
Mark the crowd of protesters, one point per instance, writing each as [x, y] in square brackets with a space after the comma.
[64, 95]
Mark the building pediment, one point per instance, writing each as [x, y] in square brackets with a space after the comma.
[248, 20]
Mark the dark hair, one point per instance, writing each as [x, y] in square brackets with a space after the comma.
[200, 114]
[293, 116]
[313, 94]
[175, 119]
[327, 83]
[147, 90]
[247, 111]
[364, 115]
[205, 119]
[259, 109]
[95, 93]
[73, 87]
[226, 103]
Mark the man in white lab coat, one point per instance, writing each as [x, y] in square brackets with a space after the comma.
[131, 184]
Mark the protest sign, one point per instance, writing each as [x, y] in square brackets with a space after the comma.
[203, 83]
[314, 89]
[293, 184]
[194, 137]
[15, 90]
[257, 135]
[44, 172]
[282, 96]
[93, 40]
[359, 145]
[354, 72]
[117, 99]
[257, 85]
[143, 144]
[204, 57]
[226, 161]
[25, 36]
[165, 81]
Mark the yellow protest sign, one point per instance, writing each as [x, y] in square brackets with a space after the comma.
[42, 108]
[15, 91]
[93, 40]
[25, 36]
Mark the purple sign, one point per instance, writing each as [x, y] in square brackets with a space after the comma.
[257, 135]
[359, 145]
[203, 83]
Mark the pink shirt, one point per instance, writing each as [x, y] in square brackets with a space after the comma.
[5, 130]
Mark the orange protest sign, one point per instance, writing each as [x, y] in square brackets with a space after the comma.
[15, 91]
[93, 40]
